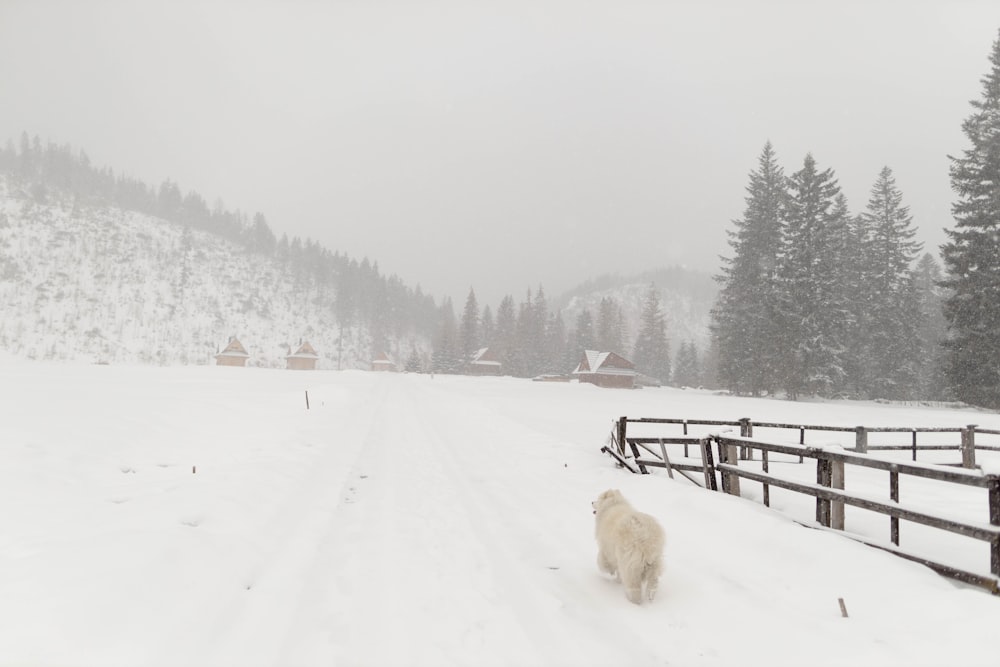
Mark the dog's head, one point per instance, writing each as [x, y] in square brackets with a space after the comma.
[606, 499]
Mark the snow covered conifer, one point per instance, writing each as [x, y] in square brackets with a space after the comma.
[743, 324]
[652, 350]
[972, 255]
[469, 329]
[812, 307]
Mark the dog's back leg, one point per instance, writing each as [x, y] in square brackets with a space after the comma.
[632, 574]
[651, 578]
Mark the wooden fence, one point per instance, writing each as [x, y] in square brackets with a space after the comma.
[637, 453]
[966, 443]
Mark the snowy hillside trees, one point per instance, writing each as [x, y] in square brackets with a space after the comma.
[652, 350]
[374, 310]
[815, 301]
[972, 254]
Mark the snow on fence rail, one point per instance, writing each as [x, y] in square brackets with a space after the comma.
[833, 465]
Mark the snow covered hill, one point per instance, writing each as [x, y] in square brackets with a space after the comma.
[686, 300]
[203, 516]
[102, 284]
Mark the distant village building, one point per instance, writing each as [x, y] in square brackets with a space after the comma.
[304, 359]
[485, 362]
[383, 362]
[234, 354]
[606, 369]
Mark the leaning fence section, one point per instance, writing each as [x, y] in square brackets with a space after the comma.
[713, 459]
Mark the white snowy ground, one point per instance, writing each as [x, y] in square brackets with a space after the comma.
[202, 516]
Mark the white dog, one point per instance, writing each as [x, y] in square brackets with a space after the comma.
[629, 545]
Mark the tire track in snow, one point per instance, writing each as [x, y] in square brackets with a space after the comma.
[249, 623]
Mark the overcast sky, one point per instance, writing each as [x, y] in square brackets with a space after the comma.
[502, 144]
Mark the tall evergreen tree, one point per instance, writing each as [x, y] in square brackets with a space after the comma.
[469, 329]
[652, 350]
[972, 254]
[932, 382]
[890, 299]
[687, 372]
[812, 301]
[584, 338]
[610, 328]
[486, 326]
[446, 356]
[743, 325]
[505, 336]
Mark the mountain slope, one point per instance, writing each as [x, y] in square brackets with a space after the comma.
[99, 283]
[686, 299]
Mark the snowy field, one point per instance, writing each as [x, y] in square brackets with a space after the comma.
[204, 516]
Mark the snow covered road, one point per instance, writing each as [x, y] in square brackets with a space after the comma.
[405, 520]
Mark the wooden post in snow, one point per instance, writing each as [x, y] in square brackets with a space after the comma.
[860, 439]
[995, 521]
[837, 506]
[622, 421]
[969, 446]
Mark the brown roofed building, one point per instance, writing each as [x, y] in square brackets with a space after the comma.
[383, 362]
[234, 354]
[304, 359]
[485, 362]
[606, 369]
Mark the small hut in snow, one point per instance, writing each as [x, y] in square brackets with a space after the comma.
[234, 354]
[304, 359]
[606, 369]
[383, 362]
[485, 362]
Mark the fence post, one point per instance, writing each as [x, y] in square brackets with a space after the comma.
[894, 497]
[622, 421]
[995, 521]
[914, 445]
[969, 446]
[746, 431]
[730, 482]
[837, 506]
[861, 439]
[707, 464]
[822, 504]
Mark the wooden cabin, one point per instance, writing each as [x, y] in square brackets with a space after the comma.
[485, 362]
[606, 369]
[234, 354]
[383, 362]
[304, 359]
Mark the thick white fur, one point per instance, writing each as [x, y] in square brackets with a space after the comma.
[629, 545]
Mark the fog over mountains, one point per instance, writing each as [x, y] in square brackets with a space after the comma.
[84, 278]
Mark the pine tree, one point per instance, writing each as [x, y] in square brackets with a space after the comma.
[972, 255]
[812, 308]
[469, 329]
[652, 351]
[413, 362]
[505, 336]
[932, 382]
[889, 298]
[687, 371]
[486, 326]
[555, 344]
[445, 358]
[610, 336]
[584, 337]
[743, 323]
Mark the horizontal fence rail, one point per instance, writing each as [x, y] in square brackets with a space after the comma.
[966, 444]
[720, 470]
